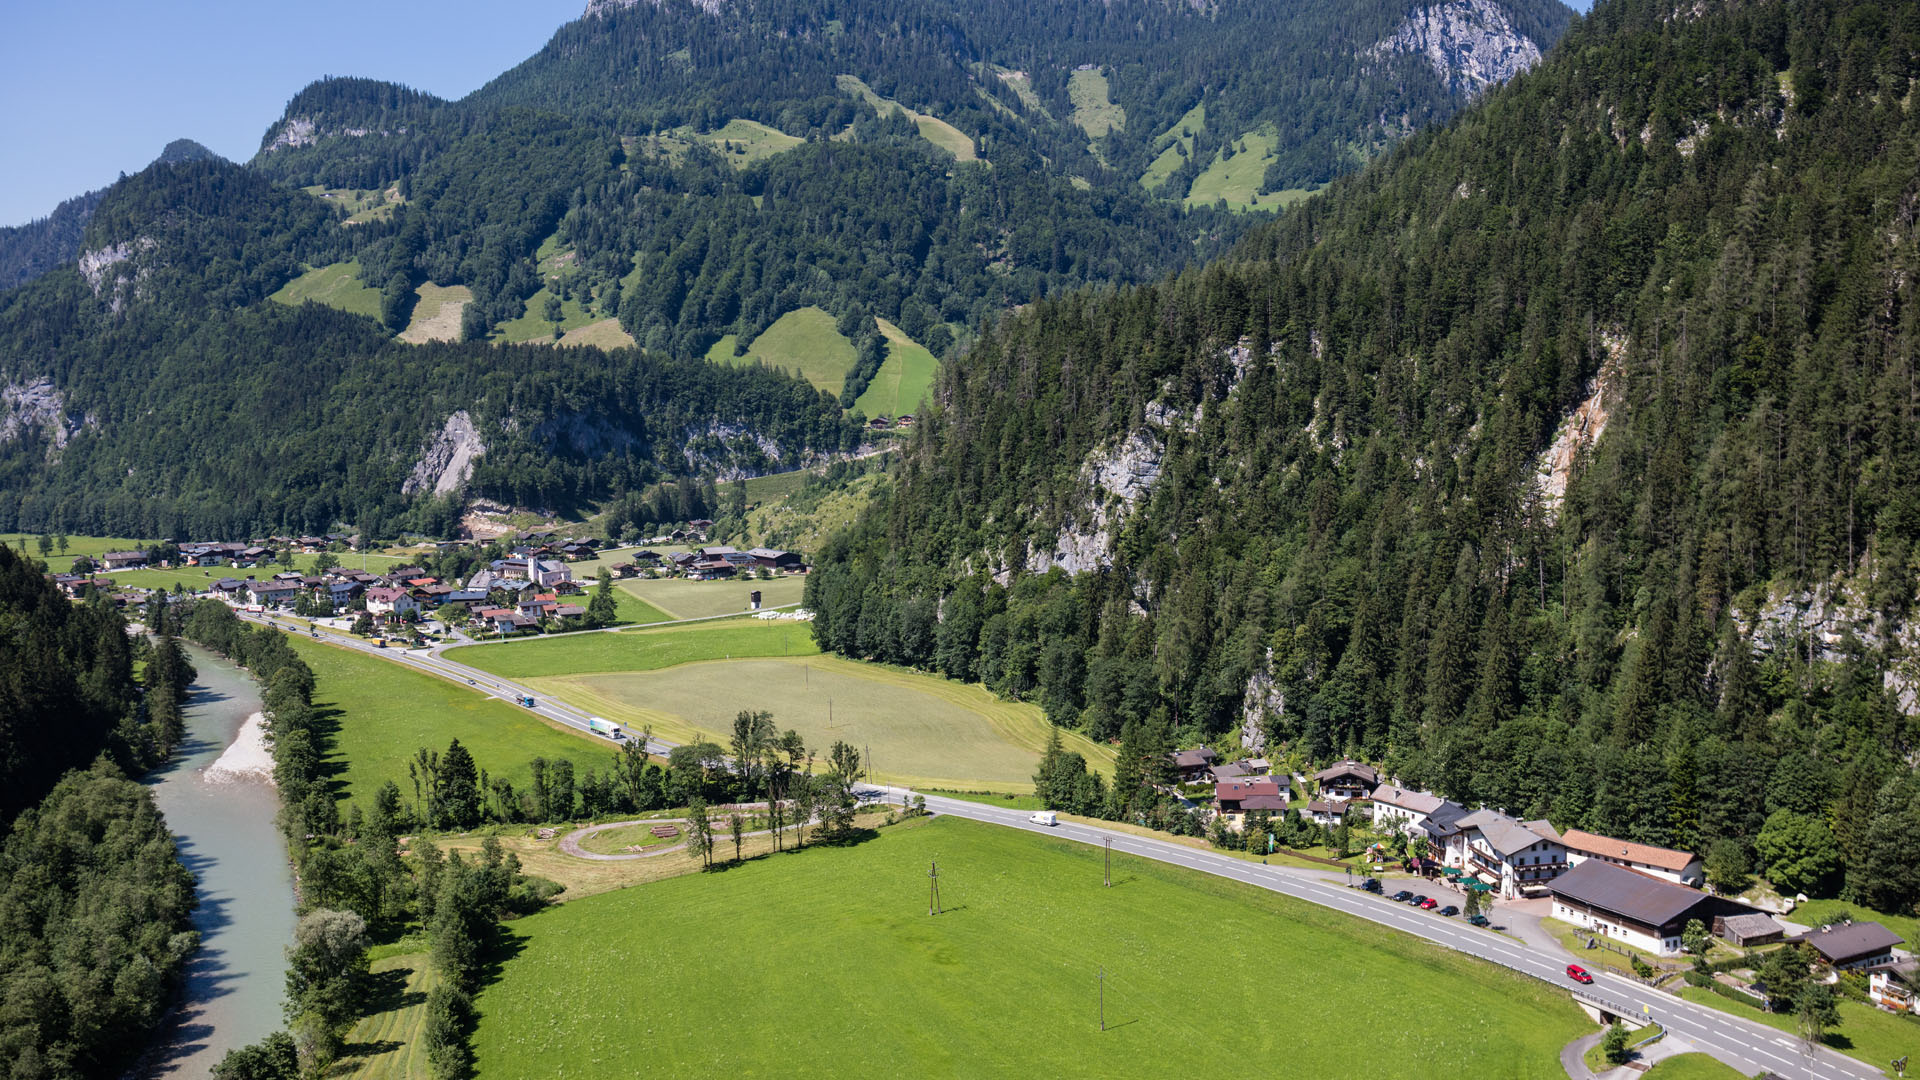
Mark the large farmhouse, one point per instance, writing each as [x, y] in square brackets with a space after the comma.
[1631, 907]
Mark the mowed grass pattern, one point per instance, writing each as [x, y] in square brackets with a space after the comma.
[638, 650]
[388, 1043]
[384, 712]
[826, 963]
[919, 729]
[905, 377]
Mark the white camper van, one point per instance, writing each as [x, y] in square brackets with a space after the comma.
[1044, 817]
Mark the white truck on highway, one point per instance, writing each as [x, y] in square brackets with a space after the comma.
[606, 727]
[1044, 817]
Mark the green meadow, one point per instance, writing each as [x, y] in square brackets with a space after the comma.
[820, 962]
[381, 713]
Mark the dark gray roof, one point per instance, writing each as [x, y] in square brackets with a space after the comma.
[1194, 758]
[1625, 892]
[1747, 926]
[1444, 820]
[1851, 941]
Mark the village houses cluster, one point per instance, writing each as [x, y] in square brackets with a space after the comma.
[532, 587]
[1635, 894]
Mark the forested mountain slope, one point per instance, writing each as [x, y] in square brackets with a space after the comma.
[1565, 459]
[27, 251]
[671, 174]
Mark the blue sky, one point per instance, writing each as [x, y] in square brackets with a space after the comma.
[91, 89]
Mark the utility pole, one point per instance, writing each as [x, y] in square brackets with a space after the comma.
[1109, 879]
[933, 879]
[1103, 998]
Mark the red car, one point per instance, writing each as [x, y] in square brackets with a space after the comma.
[1578, 974]
[1429, 903]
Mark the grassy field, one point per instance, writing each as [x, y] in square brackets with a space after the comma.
[1094, 110]
[747, 141]
[196, 578]
[1821, 912]
[639, 650]
[905, 378]
[337, 286]
[1177, 137]
[1865, 1032]
[1691, 1067]
[532, 325]
[681, 598]
[59, 558]
[931, 128]
[803, 341]
[361, 204]
[386, 1044]
[436, 315]
[606, 334]
[804, 523]
[384, 712]
[919, 730]
[1022, 86]
[1237, 179]
[1004, 801]
[1002, 984]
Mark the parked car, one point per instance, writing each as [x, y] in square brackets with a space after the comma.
[1419, 901]
[1578, 974]
[1479, 920]
[1402, 896]
[1449, 911]
[1429, 903]
[1371, 884]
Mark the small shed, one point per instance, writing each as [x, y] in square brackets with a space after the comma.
[1747, 931]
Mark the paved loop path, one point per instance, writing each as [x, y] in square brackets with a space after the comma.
[570, 843]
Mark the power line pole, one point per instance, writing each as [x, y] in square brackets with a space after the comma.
[1109, 879]
[933, 879]
[1103, 998]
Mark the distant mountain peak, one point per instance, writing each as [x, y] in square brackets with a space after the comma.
[180, 151]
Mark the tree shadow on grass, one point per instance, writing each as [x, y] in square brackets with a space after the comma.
[331, 770]
[386, 991]
[506, 944]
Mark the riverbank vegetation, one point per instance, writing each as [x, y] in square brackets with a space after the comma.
[95, 901]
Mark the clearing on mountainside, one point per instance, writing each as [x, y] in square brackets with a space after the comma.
[436, 315]
[904, 379]
[803, 341]
[337, 286]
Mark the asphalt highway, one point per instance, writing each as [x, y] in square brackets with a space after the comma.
[1748, 1047]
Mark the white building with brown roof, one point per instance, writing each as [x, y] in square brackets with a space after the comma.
[1516, 857]
[1679, 867]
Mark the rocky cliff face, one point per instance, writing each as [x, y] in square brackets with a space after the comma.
[446, 463]
[37, 406]
[298, 131]
[1834, 622]
[1581, 429]
[1471, 44]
